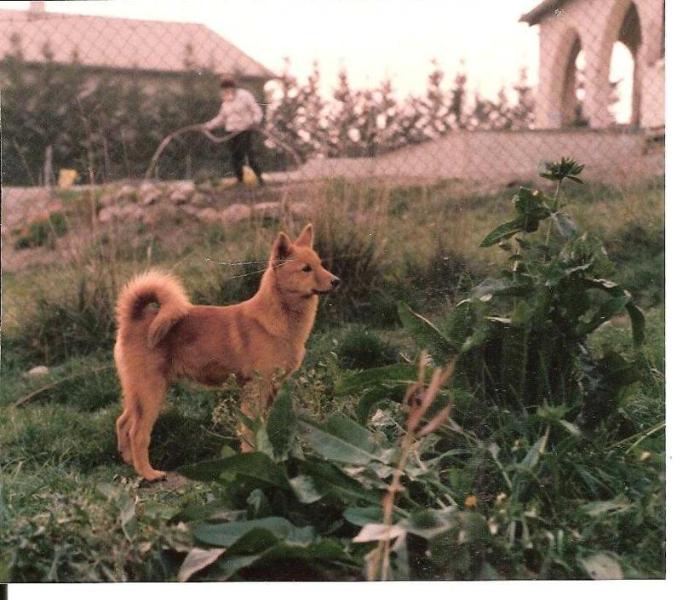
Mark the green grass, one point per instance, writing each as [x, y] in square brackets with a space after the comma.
[65, 496]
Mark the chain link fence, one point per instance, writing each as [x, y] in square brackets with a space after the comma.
[98, 95]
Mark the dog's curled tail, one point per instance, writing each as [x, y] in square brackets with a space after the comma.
[152, 287]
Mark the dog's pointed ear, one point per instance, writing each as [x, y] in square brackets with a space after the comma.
[306, 237]
[282, 247]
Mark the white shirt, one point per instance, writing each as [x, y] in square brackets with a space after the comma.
[238, 114]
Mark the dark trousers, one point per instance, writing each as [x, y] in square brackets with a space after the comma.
[241, 148]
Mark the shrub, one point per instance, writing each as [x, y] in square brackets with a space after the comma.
[43, 232]
[362, 349]
[638, 252]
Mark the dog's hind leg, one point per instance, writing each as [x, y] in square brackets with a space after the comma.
[149, 396]
[123, 424]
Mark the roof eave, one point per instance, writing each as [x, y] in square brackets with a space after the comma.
[537, 14]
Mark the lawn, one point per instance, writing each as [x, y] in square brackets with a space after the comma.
[504, 488]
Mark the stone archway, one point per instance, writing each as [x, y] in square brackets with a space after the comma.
[630, 36]
[570, 112]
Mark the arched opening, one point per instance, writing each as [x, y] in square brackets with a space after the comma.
[572, 91]
[625, 72]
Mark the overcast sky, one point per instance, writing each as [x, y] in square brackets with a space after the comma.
[371, 38]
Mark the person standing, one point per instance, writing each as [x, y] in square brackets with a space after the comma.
[240, 115]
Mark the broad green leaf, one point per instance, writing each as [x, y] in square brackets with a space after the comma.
[503, 232]
[304, 488]
[281, 424]
[601, 566]
[478, 337]
[430, 523]
[198, 559]
[331, 481]
[128, 519]
[564, 224]
[211, 511]
[255, 465]
[362, 516]
[324, 549]
[638, 324]
[531, 203]
[595, 509]
[373, 532]
[364, 380]
[226, 535]
[492, 287]
[342, 440]
[460, 323]
[571, 428]
[603, 313]
[368, 401]
[425, 333]
[534, 453]
[635, 315]
[229, 566]
[314, 554]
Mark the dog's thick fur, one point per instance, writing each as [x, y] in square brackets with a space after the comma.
[254, 340]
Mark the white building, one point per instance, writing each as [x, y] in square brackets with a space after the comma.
[567, 27]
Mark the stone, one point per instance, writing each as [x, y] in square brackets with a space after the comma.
[107, 214]
[199, 199]
[157, 213]
[235, 213]
[130, 212]
[267, 209]
[39, 371]
[107, 199]
[149, 194]
[209, 215]
[179, 197]
[126, 192]
[190, 209]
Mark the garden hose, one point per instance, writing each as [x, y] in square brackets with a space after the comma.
[217, 140]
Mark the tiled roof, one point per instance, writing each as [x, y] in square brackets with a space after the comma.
[117, 43]
[541, 10]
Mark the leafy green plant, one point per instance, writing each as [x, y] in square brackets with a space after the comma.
[312, 495]
[521, 335]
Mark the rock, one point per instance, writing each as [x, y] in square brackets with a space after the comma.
[107, 199]
[180, 193]
[130, 212]
[149, 194]
[107, 214]
[39, 371]
[154, 214]
[209, 215]
[199, 199]
[126, 192]
[179, 197]
[267, 209]
[235, 213]
[190, 209]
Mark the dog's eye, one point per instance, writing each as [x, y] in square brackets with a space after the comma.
[307, 268]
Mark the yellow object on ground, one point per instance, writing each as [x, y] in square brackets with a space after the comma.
[249, 176]
[67, 177]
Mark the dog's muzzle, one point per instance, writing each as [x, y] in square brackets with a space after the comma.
[335, 282]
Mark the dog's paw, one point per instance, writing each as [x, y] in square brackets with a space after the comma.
[153, 475]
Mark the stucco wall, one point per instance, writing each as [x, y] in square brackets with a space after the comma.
[500, 156]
